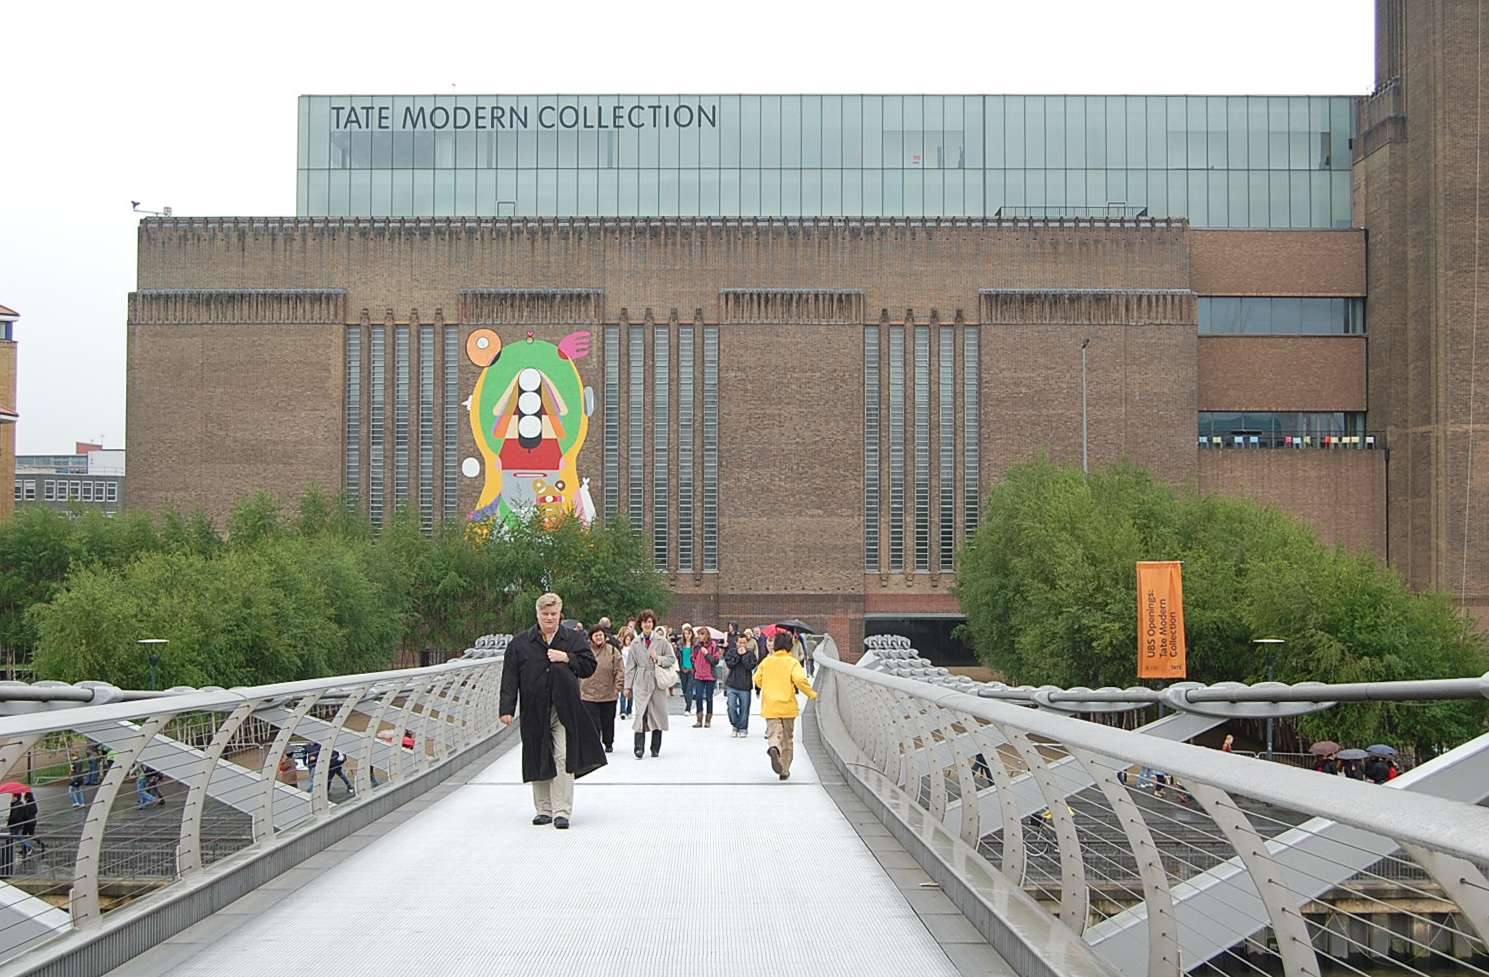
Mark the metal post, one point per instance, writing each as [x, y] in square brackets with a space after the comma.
[153, 645]
[1085, 427]
[1270, 646]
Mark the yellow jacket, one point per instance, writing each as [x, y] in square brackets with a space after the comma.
[779, 677]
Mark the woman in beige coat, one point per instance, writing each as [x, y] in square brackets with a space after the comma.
[649, 650]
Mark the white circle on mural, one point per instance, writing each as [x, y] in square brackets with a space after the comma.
[529, 427]
[529, 379]
[482, 342]
[529, 403]
[470, 468]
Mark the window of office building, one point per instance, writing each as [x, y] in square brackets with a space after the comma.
[896, 447]
[685, 448]
[1274, 429]
[636, 433]
[426, 428]
[871, 448]
[18, 491]
[611, 463]
[49, 490]
[971, 433]
[352, 445]
[661, 488]
[112, 492]
[377, 387]
[401, 378]
[922, 425]
[451, 364]
[946, 449]
[1273, 316]
[710, 448]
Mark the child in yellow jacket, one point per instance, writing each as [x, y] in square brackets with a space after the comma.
[779, 677]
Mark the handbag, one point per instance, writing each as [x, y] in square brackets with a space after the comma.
[666, 675]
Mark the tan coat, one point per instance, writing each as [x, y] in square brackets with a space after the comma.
[650, 706]
[609, 679]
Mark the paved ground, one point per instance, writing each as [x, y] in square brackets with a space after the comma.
[698, 863]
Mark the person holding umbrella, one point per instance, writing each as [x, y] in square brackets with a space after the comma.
[1326, 751]
[1350, 759]
[1380, 763]
[541, 673]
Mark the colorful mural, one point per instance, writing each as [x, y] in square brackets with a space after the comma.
[529, 412]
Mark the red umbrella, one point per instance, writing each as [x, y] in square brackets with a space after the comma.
[14, 788]
[771, 630]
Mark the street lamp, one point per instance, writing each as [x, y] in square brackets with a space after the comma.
[153, 646]
[1085, 440]
[1270, 646]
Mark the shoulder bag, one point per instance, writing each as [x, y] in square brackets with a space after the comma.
[666, 674]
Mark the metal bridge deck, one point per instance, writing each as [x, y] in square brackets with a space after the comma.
[699, 862]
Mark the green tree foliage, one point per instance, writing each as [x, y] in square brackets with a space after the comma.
[314, 593]
[1049, 587]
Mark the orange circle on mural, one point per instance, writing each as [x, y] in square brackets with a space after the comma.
[483, 347]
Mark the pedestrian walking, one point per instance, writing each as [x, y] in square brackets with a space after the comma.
[95, 764]
[287, 772]
[685, 644]
[142, 789]
[706, 657]
[312, 757]
[541, 678]
[77, 779]
[22, 823]
[738, 683]
[602, 690]
[338, 769]
[779, 678]
[649, 652]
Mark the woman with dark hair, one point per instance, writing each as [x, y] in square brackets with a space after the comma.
[600, 691]
[649, 650]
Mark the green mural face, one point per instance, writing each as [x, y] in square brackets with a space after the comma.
[529, 413]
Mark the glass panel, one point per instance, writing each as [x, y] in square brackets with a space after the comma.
[871, 448]
[636, 433]
[661, 487]
[710, 448]
[896, 448]
[610, 408]
[684, 490]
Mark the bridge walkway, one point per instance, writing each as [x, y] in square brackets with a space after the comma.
[698, 862]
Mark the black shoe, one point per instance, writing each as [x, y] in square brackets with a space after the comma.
[640, 753]
[775, 759]
[561, 823]
[656, 752]
[609, 748]
[785, 774]
[543, 819]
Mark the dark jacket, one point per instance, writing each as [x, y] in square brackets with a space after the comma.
[741, 668]
[22, 820]
[539, 686]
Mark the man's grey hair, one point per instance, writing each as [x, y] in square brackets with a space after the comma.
[550, 599]
[605, 622]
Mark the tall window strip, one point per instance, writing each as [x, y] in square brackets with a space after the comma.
[971, 433]
[946, 449]
[685, 448]
[922, 380]
[611, 498]
[710, 448]
[896, 447]
[871, 448]
[400, 415]
[377, 379]
[353, 468]
[636, 435]
[660, 441]
[426, 429]
[451, 439]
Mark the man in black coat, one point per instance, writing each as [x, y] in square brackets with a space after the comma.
[541, 671]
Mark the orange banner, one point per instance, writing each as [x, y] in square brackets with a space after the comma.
[1160, 620]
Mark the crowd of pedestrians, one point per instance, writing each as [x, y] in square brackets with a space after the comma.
[565, 685]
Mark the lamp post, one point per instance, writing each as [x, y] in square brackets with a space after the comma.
[1085, 428]
[153, 646]
[1270, 646]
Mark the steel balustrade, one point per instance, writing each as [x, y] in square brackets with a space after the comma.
[908, 729]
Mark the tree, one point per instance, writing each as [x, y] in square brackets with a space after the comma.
[1048, 584]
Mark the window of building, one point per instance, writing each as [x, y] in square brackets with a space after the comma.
[661, 489]
[377, 379]
[896, 447]
[710, 448]
[426, 428]
[451, 432]
[611, 409]
[18, 491]
[87, 490]
[685, 448]
[946, 449]
[871, 448]
[111, 492]
[922, 426]
[49, 490]
[971, 433]
[1281, 429]
[352, 442]
[636, 435]
[1281, 316]
[401, 378]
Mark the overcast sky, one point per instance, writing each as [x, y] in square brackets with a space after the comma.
[193, 105]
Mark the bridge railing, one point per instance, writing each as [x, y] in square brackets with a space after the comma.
[138, 792]
[1164, 858]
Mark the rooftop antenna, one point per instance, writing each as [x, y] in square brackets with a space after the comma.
[162, 212]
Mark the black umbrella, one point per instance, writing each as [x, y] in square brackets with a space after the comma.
[800, 627]
[1352, 754]
[571, 623]
[1380, 749]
